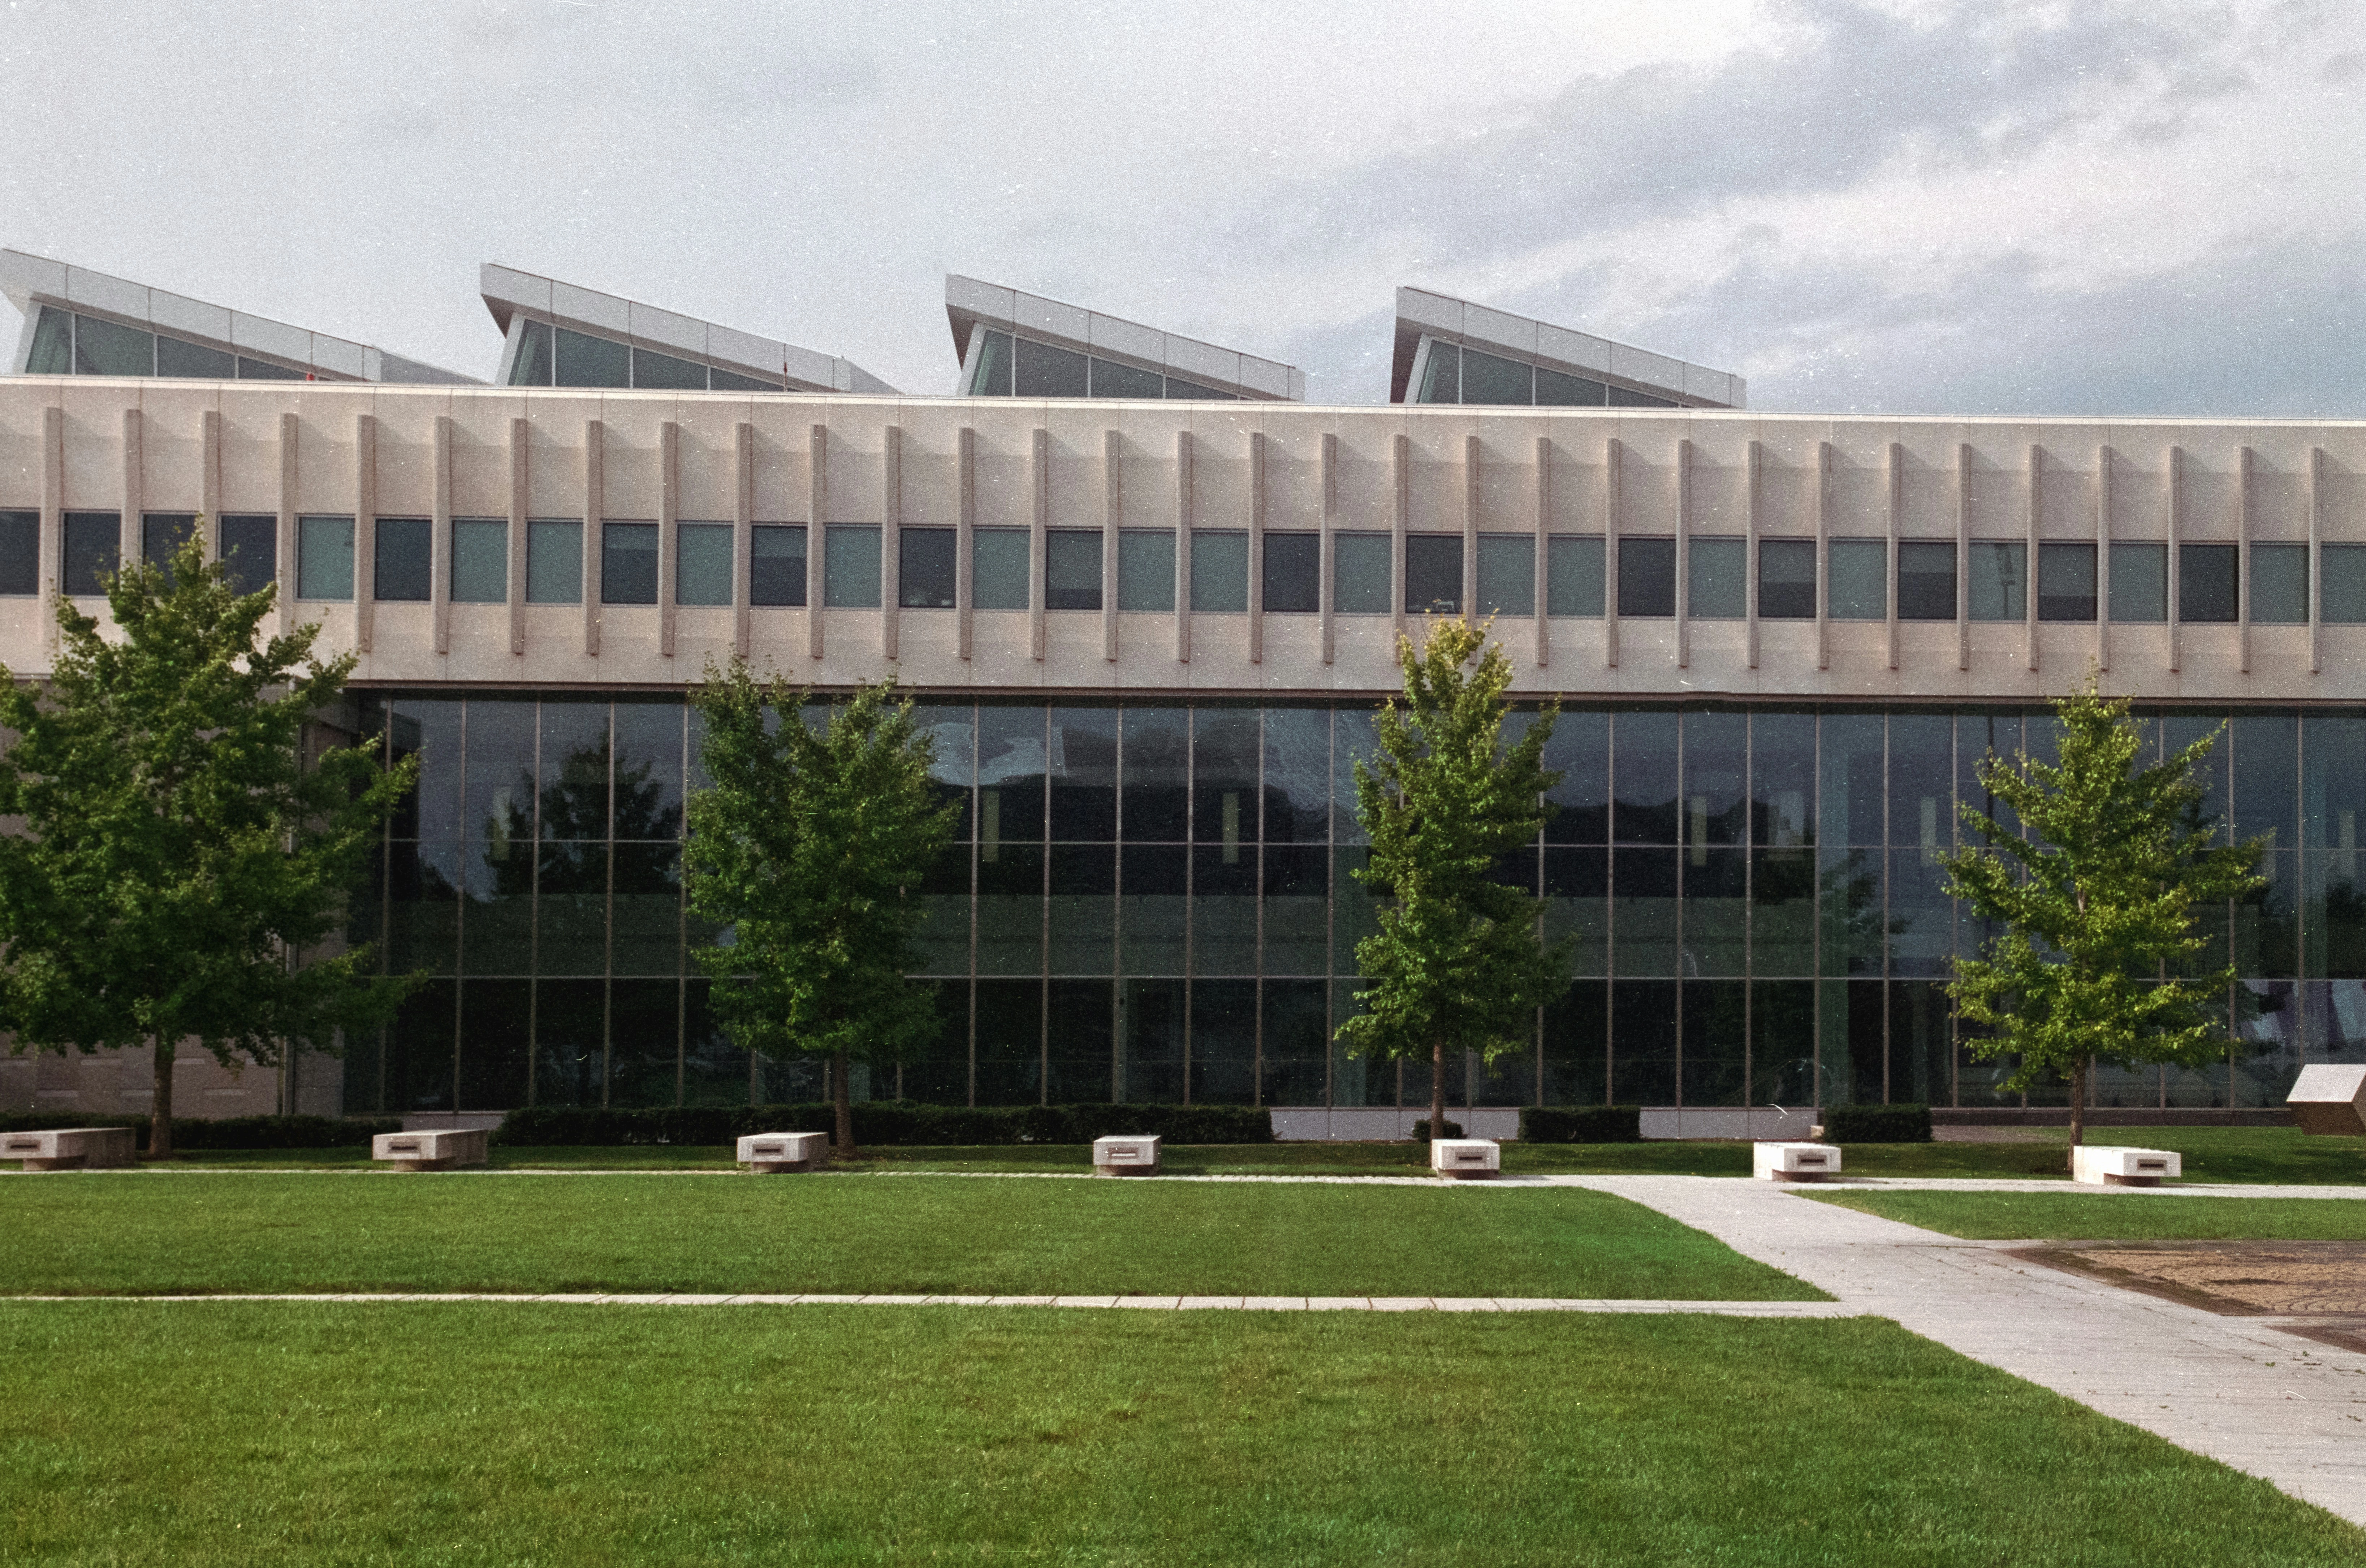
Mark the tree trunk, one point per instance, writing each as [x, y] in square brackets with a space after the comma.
[2078, 1070]
[160, 1117]
[844, 1138]
[1437, 1088]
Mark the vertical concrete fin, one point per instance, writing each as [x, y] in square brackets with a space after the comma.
[1183, 456]
[1614, 463]
[964, 535]
[291, 567]
[365, 530]
[595, 507]
[1039, 542]
[1543, 570]
[439, 539]
[816, 534]
[1751, 484]
[1327, 567]
[1257, 547]
[743, 534]
[2102, 558]
[1683, 605]
[891, 542]
[1112, 523]
[521, 497]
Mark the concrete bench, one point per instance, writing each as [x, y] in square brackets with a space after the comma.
[1794, 1162]
[441, 1150]
[1125, 1156]
[2329, 1097]
[70, 1148]
[773, 1154]
[1465, 1160]
[2110, 1166]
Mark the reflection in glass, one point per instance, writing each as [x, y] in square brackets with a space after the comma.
[481, 560]
[1223, 1042]
[1719, 590]
[1507, 574]
[997, 577]
[1787, 579]
[1646, 577]
[851, 568]
[1146, 570]
[1294, 573]
[1360, 573]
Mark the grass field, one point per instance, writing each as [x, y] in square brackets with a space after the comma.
[2097, 1216]
[205, 1433]
[944, 1235]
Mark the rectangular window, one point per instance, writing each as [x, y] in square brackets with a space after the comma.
[2342, 593]
[403, 569]
[702, 563]
[991, 378]
[1856, 572]
[177, 356]
[1557, 390]
[1442, 375]
[1433, 574]
[481, 560]
[1787, 579]
[250, 549]
[1111, 379]
[52, 350]
[1926, 579]
[586, 361]
[997, 570]
[1043, 371]
[1995, 586]
[776, 564]
[1359, 573]
[2206, 582]
[1294, 573]
[1646, 577]
[664, 372]
[20, 553]
[926, 560]
[2139, 583]
[1507, 574]
[532, 366]
[162, 535]
[628, 563]
[1220, 571]
[554, 561]
[1573, 575]
[1072, 569]
[1719, 590]
[2066, 582]
[1487, 379]
[325, 557]
[1145, 569]
[2280, 584]
[94, 547]
[105, 348]
[850, 566]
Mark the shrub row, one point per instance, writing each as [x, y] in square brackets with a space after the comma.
[226, 1132]
[889, 1122]
[1877, 1125]
[1581, 1123]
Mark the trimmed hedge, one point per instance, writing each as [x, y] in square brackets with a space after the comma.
[1582, 1124]
[889, 1122]
[1877, 1125]
[1421, 1129]
[226, 1132]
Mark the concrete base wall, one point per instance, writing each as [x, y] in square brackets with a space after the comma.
[123, 1083]
[2115, 1116]
[1760, 1122]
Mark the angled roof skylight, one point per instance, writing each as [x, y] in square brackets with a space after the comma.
[1450, 351]
[1013, 344]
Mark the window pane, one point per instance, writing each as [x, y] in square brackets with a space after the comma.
[481, 560]
[2279, 583]
[177, 356]
[1111, 379]
[1573, 575]
[2139, 583]
[726, 381]
[776, 567]
[1999, 585]
[1047, 372]
[20, 552]
[2066, 582]
[531, 367]
[1145, 569]
[1858, 579]
[1926, 581]
[1507, 574]
[52, 350]
[262, 370]
[1220, 571]
[1177, 387]
[1155, 780]
[628, 563]
[403, 570]
[2341, 598]
[104, 348]
[1294, 573]
[1433, 574]
[997, 579]
[850, 566]
[1083, 778]
[1441, 376]
[1072, 569]
[94, 547]
[1359, 567]
[1555, 391]
[250, 548]
[665, 373]
[924, 568]
[702, 563]
[162, 533]
[1720, 574]
[1487, 379]
[1787, 579]
[991, 378]
[554, 561]
[586, 361]
[325, 557]
[2206, 582]
[1646, 577]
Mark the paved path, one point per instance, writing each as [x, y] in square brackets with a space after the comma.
[2237, 1389]
[1164, 1304]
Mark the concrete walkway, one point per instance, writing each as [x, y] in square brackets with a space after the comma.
[2237, 1389]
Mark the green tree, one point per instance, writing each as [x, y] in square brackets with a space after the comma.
[181, 863]
[1457, 963]
[2095, 908]
[810, 845]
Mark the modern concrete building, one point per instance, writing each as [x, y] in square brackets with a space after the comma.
[1148, 631]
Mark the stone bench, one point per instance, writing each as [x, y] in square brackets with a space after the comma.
[1794, 1162]
[441, 1150]
[2329, 1097]
[70, 1148]
[2108, 1165]
[771, 1154]
[1126, 1157]
[1465, 1160]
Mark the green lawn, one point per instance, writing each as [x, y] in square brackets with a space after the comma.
[207, 1433]
[2098, 1217]
[934, 1234]
[2211, 1153]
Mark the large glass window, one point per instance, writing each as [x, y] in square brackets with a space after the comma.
[2066, 582]
[997, 577]
[20, 552]
[1489, 380]
[1360, 570]
[1111, 379]
[93, 548]
[1997, 586]
[924, 568]
[702, 565]
[2341, 596]
[587, 361]
[628, 563]
[2279, 583]
[663, 372]
[1047, 372]
[1787, 579]
[1573, 575]
[1220, 570]
[250, 549]
[1294, 573]
[1558, 390]
[776, 564]
[1858, 573]
[1146, 570]
[1433, 574]
[2206, 582]
[109, 348]
[1072, 569]
[403, 569]
[1926, 579]
[990, 376]
[176, 356]
[1442, 375]
[2139, 583]
[52, 350]
[1719, 590]
[532, 366]
[554, 561]
[850, 566]
[1646, 577]
[481, 560]
[325, 557]
[162, 533]
[1507, 574]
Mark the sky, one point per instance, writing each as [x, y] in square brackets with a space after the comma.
[1863, 206]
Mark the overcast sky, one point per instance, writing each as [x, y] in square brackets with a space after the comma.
[1861, 205]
